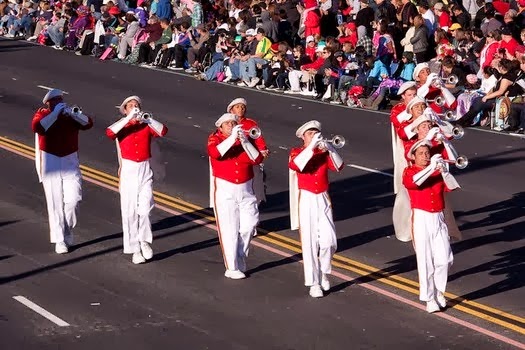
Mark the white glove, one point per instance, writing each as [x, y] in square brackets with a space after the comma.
[225, 145]
[431, 78]
[432, 133]
[423, 91]
[155, 125]
[435, 160]
[133, 113]
[52, 117]
[316, 139]
[429, 112]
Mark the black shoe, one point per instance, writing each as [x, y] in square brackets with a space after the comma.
[519, 131]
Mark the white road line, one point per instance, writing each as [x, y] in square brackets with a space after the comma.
[369, 170]
[50, 88]
[41, 311]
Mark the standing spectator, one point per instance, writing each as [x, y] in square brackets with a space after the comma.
[443, 17]
[310, 23]
[429, 19]
[420, 39]
[408, 12]
[461, 17]
[56, 157]
[133, 134]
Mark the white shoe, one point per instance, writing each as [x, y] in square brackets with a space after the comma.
[9, 36]
[316, 292]
[138, 259]
[440, 298]
[242, 83]
[146, 250]
[227, 79]
[432, 306]
[61, 248]
[254, 82]
[292, 92]
[234, 274]
[325, 283]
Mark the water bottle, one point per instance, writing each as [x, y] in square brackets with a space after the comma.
[339, 19]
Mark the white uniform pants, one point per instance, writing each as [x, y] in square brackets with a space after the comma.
[237, 216]
[63, 189]
[318, 239]
[258, 183]
[433, 252]
[136, 202]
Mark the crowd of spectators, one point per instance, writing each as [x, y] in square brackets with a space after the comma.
[354, 52]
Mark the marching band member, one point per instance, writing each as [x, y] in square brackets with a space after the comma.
[232, 156]
[426, 181]
[56, 129]
[310, 206]
[238, 107]
[430, 87]
[399, 118]
[133, 134]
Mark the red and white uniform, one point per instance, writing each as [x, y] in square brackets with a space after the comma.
[433, 93]
[316, 224]
[430, 233]
[136, 181]
[400, 119]
[59, 170]
[234, 201]
[258, 170]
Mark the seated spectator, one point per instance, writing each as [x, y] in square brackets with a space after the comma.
[126, 39]
[306, 73]
[181, 45]
[56, 30]
[149, 50]
[197, 48]
[84, 21]
[363, 40]
[261, 57]
[378, 72]
[42, 19]
[451, 68]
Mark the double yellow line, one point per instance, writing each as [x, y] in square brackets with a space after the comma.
[487, 313]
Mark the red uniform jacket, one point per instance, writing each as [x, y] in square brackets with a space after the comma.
[399, 126]
[434, 92]
[135, 140]
[314, 177]
[61, 139]
[247, 124]
[235, 166]
[429, 196]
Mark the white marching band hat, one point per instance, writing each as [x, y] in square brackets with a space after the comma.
[419, 68]
[405, 86]
[312, 124]
[52, 94]
[415, 146]
[238, 100]
[125, 102]
[226, 117]
[421, 119]
[414, 102]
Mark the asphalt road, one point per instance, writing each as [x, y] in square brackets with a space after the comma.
[182, 298]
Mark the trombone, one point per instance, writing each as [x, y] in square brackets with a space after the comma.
[337, 141]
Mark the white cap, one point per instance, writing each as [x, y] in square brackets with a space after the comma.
[238, 100]
[405, 86]
[421, 119]
[312, 124]
[415, 146]
[414, 102]
[310, 38]
[418, 69]
[125, 102]
[52, 94]
[226, 117]
[251, 32]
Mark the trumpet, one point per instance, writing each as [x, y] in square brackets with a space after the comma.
[439, 101]
[255, 132]
[74, 110]
[458, 132]
[450, 80]
[461, 162]
[143, 116]
[337, 141]
[449, 115]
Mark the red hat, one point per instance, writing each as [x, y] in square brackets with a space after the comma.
[274, 48]
[310, 3]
